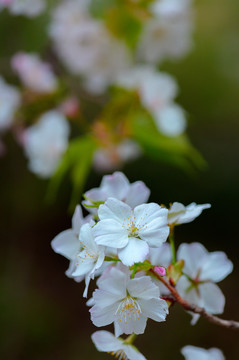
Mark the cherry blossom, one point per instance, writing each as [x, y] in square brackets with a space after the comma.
[130, 231]
[180, 214]
[107, 342]
[196, 353]
[201, 271]
[127, 302]
[118, 186]
[35, 74]
[45, 142]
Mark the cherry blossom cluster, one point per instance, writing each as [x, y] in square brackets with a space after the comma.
[127, 243]
[88, 47]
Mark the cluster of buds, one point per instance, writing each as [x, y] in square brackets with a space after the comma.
[123, 243]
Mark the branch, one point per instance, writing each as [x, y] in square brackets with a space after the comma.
[230, 324]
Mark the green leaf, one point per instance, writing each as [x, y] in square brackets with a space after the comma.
[77, 162]
[175, 150]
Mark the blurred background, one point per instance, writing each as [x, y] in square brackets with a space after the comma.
[43, 315]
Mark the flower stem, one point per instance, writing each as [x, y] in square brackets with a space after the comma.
[130, 339]
[230, 324]
[171, 240]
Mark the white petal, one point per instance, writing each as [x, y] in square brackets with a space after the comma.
[192, 211]
[155, 309]
[216, 354]
[193, 255]
[171, 120]
[105, 341]
[195, 353]
[138, 194]
[115, 185]
[213, 298]
[66, 243]
[82, 267]
[114, 209]
[216, 267]
[142, 288]
[161, 256]
[114, 282]
[132, 326]
[103, 318]
[175, 212]
[77, 219]
[133, 353]
[135, 251]
[86, 238]
[110, 233]
[152, 220]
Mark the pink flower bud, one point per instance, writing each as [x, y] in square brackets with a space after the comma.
[160, 270]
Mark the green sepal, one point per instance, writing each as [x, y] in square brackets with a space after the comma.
[174, 272]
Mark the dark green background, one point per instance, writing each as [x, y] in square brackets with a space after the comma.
[43, 315]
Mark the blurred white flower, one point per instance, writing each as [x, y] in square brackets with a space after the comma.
[107, 342]
[118, 186]
[180, 214]
[45, 142]
[171, 120]
[87, 48]
[168, 34]
[131, 231]
[157, 92]
[204, 269]
[30, 8]
[196, 353]
[127, 302]
[35, 74]
[114, 156]
[9, 102]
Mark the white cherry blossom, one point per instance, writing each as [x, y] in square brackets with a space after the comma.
[107, 342]
[180, 214]
[9, 102]
[45, 143]
[204, 269]
[196, 353]
[35, 74]
[115, 156]
[168, 33]
[30, 8]
[127, 302]
[130, 231]
[171, 120]
[87, 48]
[118, 186]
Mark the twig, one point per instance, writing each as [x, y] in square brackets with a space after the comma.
[230, 324]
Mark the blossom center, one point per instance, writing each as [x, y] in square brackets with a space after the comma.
[128, 310]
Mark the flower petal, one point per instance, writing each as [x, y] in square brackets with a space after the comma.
[213, 298]
[216, 267]
[143, 288]
[66, 243]
[133, 353]
[103, 318]
[193, 255]
[138, 194]
[114, 209]
[115, 185]
[135, 251]
[110, 233]
[105, 341]
[155, 309]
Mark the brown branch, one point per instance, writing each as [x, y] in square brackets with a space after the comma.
[230, 324]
